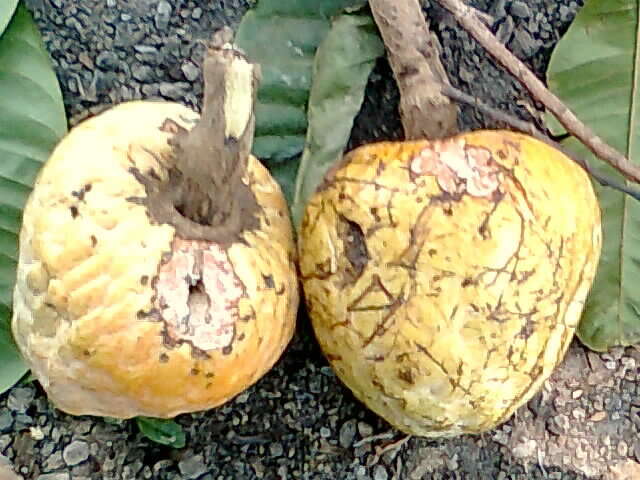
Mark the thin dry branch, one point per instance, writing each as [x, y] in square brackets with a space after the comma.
[414, 54]
[468, 18]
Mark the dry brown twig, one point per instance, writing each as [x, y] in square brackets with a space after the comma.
[423, 83]
[419, 73]
[468, 18]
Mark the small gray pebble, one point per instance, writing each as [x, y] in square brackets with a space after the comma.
[146, 49]
[100, 83]
[111, 3]
[6, 421]
[197, 13]
[523, 44]
[142, 73]
[163, 14]
[57, 4]
[520, 9]
[192, 467]
[54, 461]
[54, 476]
[347, 433]
[47, 449]
[107, 61]
[174, 91]
[498, 10]
[20, 399]
[565, 13]
[361, 473]
[505, 30]
[276, 449]
[364, 429]
[150, 90]
[76, 452]
[325, 432]
[191, 72]
[23, 421]
[380, 473]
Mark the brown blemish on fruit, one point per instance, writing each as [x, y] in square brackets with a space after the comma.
[268, 281]
[74, 211]
[79, 194]
[197, 294]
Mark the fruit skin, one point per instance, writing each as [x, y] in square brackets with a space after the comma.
[445, 279]
[91, 289]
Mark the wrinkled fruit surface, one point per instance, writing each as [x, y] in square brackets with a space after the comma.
[118, 316]
[445, 279]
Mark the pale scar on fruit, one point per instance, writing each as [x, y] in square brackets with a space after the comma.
[445, 279]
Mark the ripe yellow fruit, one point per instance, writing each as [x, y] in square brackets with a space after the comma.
[445, 279]
[120, 315]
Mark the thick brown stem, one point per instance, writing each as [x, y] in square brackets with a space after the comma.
[469, 20]
[414, 54]
[205, 197]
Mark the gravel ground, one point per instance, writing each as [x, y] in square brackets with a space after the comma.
[299, 422]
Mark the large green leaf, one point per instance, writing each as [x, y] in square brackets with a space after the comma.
[32, 120]
[595, 69]
[7, 7]
[342, 66]
[282, 36]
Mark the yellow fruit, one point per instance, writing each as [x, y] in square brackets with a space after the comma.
[445, 279]
[118, 314]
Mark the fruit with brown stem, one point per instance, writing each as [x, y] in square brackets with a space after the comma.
[445, 279]
[157, 272]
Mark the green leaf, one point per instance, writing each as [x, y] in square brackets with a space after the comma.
[341, 70]
[595, 70]
[32, 120]
[164, 432]
[12, 367]
[7, 7]
[282, 36]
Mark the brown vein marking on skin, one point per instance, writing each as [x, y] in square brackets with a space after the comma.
[375, 381]
[486, 360]
[418, 234]
[558, 260]
[483, 229]
[371, 183]
[375, 285]
[503, 269]
[456, 383]
[424, 350]
[387, 321]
